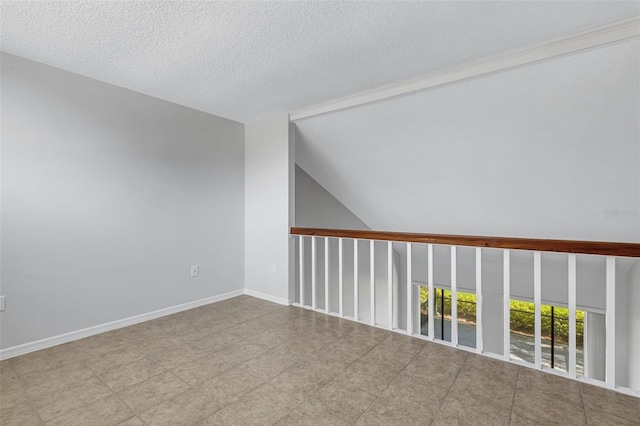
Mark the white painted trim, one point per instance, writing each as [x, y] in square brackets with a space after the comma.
[409, 293]
[301, 268]
[537, 301]
[314, 273]
[390, 284]
[268, 297]
[432, 296]
[356, 282]
[479, 302]
[372, 282]
[340, 279]
[610, 322]
[611, 33]
[113, 325]
[326, 274]
[454, 297]
[572, 298]
[506, 305]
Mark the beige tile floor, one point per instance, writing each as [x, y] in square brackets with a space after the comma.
[245, 361]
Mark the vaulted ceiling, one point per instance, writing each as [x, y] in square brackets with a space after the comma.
[546, 151]
[248, 60]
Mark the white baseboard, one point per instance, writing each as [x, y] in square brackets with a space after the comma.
[267, 297]
[97, 329]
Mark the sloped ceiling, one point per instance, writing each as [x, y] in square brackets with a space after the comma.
[550, 150]
[248, 60]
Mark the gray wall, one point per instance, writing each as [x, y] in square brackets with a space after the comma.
[268, 163]
[108, 197]
[317, 208]
[550, 150]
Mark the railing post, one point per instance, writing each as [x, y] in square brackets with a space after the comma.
[454, 297]
[506, 310]
[314, 305]
[479, 335]
[356, 292]
[572, 315]
[537, 300]
[390, 284]
[301, 268]
[340, 279]
[409, 292]
[432, 296]
[372, 282]
[611, 322]
[326, 274]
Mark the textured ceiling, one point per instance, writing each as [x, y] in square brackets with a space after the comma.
[540, 151]
[247, 60]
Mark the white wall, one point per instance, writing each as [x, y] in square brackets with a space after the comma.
[268, 163]
[108, 198]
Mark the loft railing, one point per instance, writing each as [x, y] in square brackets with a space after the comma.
[610, 251]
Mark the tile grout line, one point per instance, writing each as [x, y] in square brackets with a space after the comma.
[395, 378]
[82, 361]
[584, 405]
[515, 391]
[296, 363]
[236, 366]
[327, 359]
[333, 378]
[66, 387]
[189, 387]
[449, 390]
[112, 393]
[24, 388]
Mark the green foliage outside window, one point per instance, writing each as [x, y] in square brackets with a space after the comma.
[522, 314]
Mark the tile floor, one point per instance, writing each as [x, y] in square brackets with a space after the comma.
[245, 361]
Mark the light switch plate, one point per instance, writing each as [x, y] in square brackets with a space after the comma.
[2, 303]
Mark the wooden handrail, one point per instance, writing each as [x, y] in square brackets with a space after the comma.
[559, 246]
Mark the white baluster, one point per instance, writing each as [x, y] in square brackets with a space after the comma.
[537, 300]
[326, 274]
[409, 292]
[301, 269]
[340, 279]
[610, 319]
[355, 281]
[572, 315]
[506, 310]
[454, 297]
[479, 335]
[432, 296]
[314, 305]
[372, 282]
[390, 284]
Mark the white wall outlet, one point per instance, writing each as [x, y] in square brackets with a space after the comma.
[194, 271]
[2, 303]
[274, 268]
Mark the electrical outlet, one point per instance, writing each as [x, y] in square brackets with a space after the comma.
[274, 268]
[194, 271]
[2, 303]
